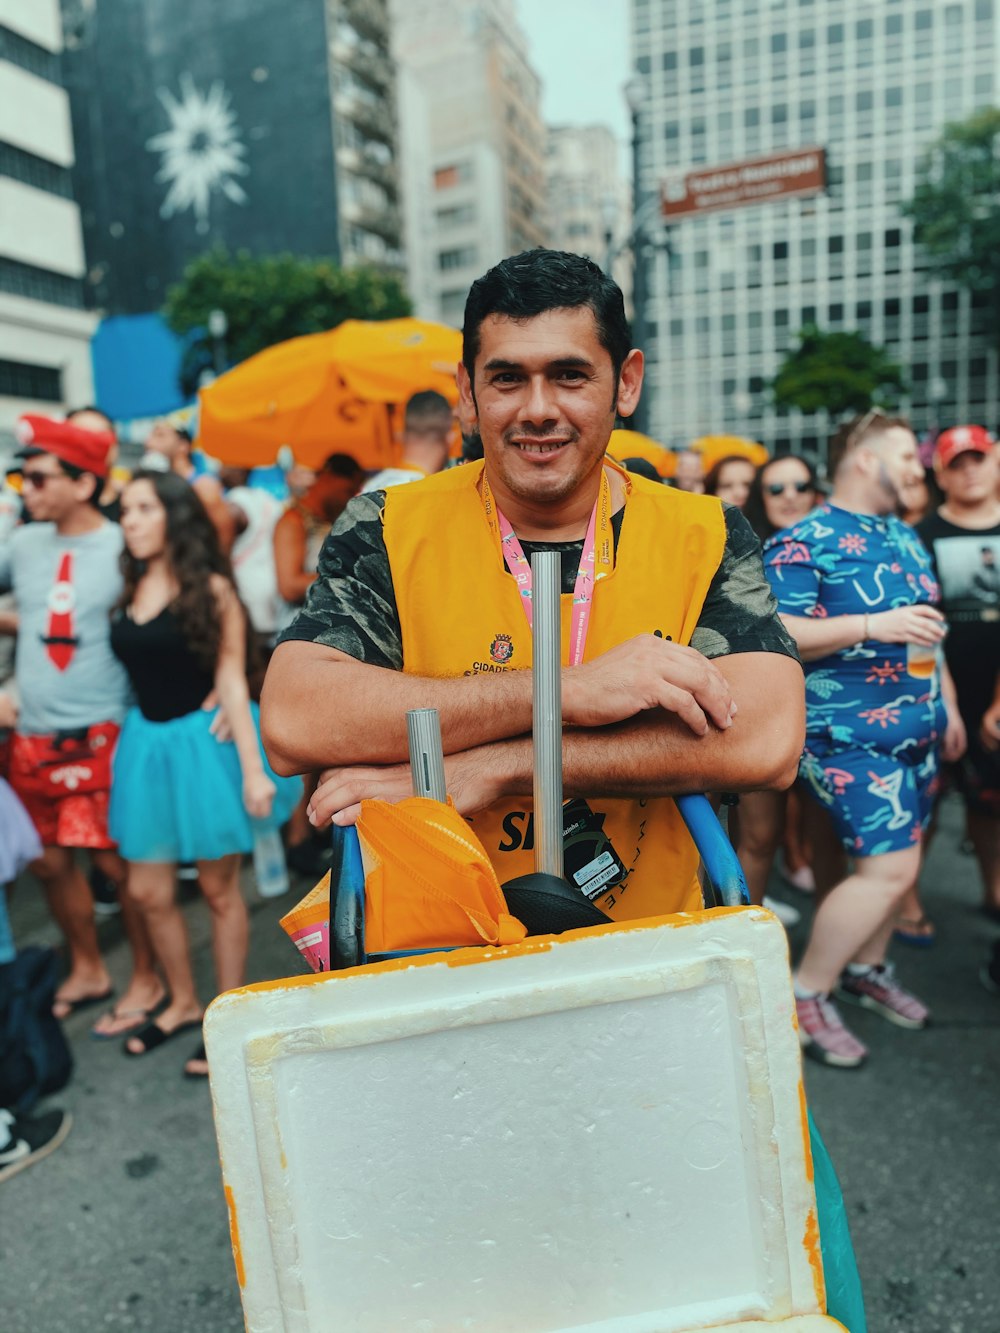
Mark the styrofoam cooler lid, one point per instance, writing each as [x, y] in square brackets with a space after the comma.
[600, 1131]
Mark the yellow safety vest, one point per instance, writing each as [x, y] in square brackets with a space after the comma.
[460, 614]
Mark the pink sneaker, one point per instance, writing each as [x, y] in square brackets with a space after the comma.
[878, 989]
[823, 1035]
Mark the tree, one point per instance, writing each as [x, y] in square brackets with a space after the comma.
[956, 207]
[268, 299]
[837, 373]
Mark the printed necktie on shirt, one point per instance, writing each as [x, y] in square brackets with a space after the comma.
[59, 639]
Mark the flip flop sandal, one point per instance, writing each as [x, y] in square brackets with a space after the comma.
[152, 1035]
[198, 1054]
[83, 1002]
[136, 1019]
[918, 932]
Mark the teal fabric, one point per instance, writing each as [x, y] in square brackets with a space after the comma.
[844, 1298]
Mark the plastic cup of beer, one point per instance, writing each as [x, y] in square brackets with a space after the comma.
[921, 659]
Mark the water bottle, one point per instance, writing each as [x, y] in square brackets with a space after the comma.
[269, 863]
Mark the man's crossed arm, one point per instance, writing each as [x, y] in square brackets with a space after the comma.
[647, 718]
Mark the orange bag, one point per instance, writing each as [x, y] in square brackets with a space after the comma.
[428, 881]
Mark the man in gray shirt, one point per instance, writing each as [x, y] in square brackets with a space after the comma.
[72, 695]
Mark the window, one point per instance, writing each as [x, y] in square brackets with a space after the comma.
[808, 314]
[835, 245]
[669, 60]
[864, 30]
[893, 237]
[863, 310]
[779, 114]
[807, 111]
[456, 216]
[807, 39]
[893, 25]
[781, 319]
[460, 257]
[894, 96]
[676, 328]
[19, 379]
[30, 56]
[949, 300]
[19, 165]
[671, 130]
[835, 33]
[755, 320]
[779, 42]
[751, 116]
[865, 100]
[835, 313]
[807, 247]
[780, 250]
[921, 305]
[924, 20]
[701, 324]
[41, 284]
[891, 307]
[458, 173]
[696, 56]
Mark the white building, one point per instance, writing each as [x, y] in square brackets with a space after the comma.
[44, 330]
[589, 199]
[475, 157]
[874, 83]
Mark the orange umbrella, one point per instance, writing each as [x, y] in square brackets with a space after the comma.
[326, 393]
[714, 447]
[633, 444]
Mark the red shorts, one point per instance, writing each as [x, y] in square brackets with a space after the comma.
[64, 781]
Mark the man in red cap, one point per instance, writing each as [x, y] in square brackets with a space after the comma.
[964, 538]
[72, 695]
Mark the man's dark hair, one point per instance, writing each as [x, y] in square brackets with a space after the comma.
[75, 473]
[535, 281]
[427, 411]
[341, 465]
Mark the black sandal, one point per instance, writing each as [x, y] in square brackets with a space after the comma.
[152, 1035]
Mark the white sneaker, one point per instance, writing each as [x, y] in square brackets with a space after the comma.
[801, 879]
[786, 914]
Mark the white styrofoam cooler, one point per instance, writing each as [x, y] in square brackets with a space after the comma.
[600, 1131]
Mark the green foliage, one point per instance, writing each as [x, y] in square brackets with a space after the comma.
[837, 373]
[268, 299]
[956, 206]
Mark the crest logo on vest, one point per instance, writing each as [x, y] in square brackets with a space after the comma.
[502, 649]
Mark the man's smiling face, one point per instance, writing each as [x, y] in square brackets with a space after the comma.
[545, 395]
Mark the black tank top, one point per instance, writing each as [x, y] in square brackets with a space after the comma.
[166, 677]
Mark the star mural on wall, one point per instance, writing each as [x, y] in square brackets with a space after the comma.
[201, 151]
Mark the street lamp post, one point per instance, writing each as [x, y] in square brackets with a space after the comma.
[218, 327]
[635, 96]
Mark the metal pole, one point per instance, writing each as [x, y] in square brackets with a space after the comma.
[423, 728]
[546, 580]
[640, 416]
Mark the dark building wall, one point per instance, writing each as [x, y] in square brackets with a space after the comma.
[123, 59]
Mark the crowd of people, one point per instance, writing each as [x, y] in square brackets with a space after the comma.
[145, 614]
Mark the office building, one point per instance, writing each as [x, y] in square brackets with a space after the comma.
[253, 125]
[589, 203]
[873, 84]
[44, 329]
[481, 148]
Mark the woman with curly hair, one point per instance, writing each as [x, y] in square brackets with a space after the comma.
[178, 794]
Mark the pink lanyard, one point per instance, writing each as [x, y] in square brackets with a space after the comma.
[587, 575]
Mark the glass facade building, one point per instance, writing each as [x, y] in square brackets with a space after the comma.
[873, 83]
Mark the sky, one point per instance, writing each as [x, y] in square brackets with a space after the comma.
[579, 48]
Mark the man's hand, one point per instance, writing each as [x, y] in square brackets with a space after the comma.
[8, 712]
[989, 727]
[473, 780]
[647, 672]
[908, 624]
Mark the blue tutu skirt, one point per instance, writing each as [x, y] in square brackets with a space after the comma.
[177, 793]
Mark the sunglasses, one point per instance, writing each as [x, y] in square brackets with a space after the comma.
[32, 477]
[779, 487]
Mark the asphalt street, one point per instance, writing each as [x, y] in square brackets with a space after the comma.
[125, 1227]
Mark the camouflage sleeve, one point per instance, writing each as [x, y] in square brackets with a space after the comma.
[740, 614]
[352, 605]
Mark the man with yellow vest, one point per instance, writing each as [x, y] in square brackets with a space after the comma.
[679, 676]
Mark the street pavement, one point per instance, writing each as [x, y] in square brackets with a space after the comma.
[125, 1226]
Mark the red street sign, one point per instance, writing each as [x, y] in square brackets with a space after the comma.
[759, 180]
